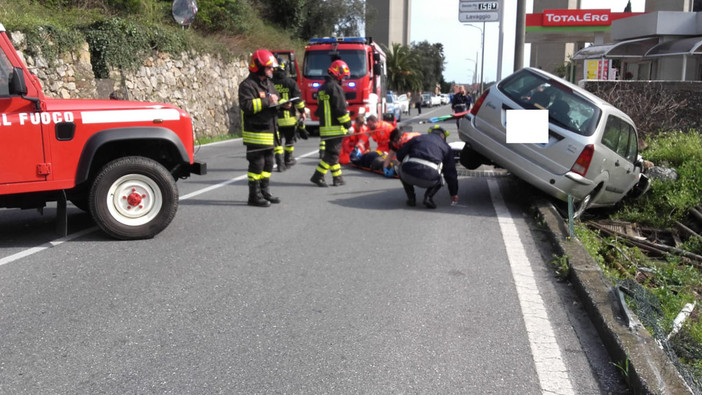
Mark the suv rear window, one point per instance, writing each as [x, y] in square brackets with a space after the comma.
[566, 108]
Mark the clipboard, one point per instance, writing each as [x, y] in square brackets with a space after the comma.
[281, 102]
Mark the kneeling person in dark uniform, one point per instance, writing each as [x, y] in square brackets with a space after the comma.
[424, 162]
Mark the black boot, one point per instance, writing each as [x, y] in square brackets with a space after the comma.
[265, 182]
[289, 159]
[429, 194]
[338, 181]
[318, 178]
[279, 163]
[409, 190]
[255, 196]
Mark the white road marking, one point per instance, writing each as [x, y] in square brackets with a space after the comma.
[47, 245]
[550, 367]
[54, 243]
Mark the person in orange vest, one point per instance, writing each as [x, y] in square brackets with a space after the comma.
[397, 139]
[380, 132]
[356, 139]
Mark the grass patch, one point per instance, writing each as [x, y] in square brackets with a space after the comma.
[672, 281]
[670, 201]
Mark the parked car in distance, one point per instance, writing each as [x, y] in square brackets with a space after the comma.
[404, 103]
[445, 98]
[592, 148]
[426, 99]
[435, 100]
[393, 106]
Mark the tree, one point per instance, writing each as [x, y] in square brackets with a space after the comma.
[288, 14]
[431, 61]
[404, 73]
[327, 17]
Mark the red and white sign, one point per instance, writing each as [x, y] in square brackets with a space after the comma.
[576, 18]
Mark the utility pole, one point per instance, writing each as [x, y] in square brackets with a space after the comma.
[519, 35]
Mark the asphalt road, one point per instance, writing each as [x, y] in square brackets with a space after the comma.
[343, 290]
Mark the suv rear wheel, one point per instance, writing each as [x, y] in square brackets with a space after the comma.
[133, 198]
[470, 159]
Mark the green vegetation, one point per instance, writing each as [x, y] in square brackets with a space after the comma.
[668, 202]
[121, 32]
[673, 280]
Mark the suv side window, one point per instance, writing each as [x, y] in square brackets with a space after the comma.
[620, 137]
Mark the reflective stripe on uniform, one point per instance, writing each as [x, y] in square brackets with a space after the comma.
[286, 119]
[424, 162]
[322, 167]
[344, 118]
[257, 105]
[335, 170]
[260, 138]
[334, 130]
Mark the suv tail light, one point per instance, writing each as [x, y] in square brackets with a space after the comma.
[583, 162]
[479, 103]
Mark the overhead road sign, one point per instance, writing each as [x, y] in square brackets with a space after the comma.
[477, 6]
[474, 17]
[471, 11]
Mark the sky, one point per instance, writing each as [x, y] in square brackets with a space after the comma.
[436, 21]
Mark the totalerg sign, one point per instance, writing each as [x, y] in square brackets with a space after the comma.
[576, 18]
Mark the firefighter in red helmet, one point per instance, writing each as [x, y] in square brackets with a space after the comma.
[258, 99]
[334, 119]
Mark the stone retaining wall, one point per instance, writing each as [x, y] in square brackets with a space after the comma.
[203, 85]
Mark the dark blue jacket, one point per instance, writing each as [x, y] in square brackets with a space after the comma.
[435, 149]
[460, 102]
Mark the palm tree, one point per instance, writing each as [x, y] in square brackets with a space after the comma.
[404, 73]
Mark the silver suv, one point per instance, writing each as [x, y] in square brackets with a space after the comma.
[592, 148]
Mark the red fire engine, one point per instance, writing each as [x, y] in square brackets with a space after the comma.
[365, 90]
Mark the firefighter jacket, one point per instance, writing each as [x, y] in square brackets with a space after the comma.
[334, 119]
[288, 89]
[431, 153]
[381, 135]
[258, 114]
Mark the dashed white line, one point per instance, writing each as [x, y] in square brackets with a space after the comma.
[548, 360]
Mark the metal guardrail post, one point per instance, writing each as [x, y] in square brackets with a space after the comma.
[571, 230]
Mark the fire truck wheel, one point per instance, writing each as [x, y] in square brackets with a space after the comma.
[133, 198]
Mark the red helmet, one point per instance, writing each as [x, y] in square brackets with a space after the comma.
[339, 70]
[261, 59]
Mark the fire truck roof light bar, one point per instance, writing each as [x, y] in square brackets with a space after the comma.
[333, 40]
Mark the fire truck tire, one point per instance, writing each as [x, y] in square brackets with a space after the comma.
[133, 198]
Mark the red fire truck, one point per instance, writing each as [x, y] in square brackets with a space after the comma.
[365, 90]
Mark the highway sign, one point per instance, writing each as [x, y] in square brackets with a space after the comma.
[473, 17]
[471, 11]
[478, 6]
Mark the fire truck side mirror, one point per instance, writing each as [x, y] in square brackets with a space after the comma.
[17, 84]
[376, 69]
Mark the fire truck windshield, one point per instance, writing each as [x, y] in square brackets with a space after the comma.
[317, 63]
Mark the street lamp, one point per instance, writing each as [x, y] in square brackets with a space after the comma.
[482, 52]
[475, 62]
